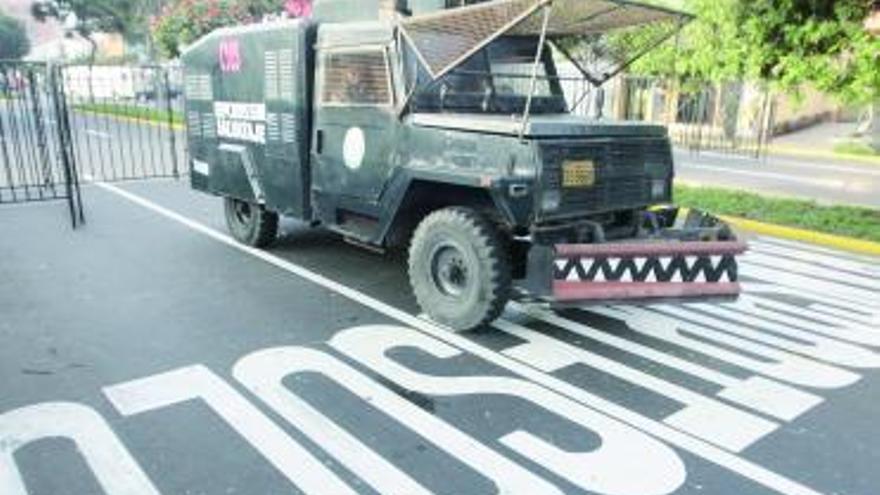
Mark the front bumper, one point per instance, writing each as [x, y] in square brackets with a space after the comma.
[647, 271]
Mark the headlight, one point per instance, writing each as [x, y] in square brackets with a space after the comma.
[551, 200]
[658, 190]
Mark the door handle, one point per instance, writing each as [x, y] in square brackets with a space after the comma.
[319, 141]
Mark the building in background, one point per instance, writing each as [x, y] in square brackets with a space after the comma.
[49, 41]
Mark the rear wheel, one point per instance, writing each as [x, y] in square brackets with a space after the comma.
[250, 223]
[459, 272]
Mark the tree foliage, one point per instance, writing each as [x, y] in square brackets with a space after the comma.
[183, 21]
[14, 43]
[785, 43]
[126, 17]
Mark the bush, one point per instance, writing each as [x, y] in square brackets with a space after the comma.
[850, 221]
[14, 42]
[182, 22]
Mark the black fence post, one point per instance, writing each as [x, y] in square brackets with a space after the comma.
[171, 131]
[71, 179]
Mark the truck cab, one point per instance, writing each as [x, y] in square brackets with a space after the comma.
[448, 131]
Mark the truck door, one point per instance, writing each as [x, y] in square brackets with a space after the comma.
[354, 125]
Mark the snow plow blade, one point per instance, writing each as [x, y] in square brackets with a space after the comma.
[637, 272]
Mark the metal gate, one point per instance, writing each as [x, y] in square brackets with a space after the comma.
[734, 118]
[126, 121]
[37, 162]
[63, 126]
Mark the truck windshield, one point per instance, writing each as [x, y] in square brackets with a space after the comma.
[495, 80]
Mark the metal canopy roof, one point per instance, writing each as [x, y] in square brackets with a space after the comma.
[443, 40]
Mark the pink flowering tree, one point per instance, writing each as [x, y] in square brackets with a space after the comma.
[298, 8]
[182, 22]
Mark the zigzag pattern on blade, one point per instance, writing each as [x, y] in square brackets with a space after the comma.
[686, 269]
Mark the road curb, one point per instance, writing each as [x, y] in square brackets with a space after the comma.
[135, 120]
[792, 152]
[808, 236]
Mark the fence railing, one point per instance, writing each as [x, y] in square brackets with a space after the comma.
[127, 121]
[731, 118]
[36, 158]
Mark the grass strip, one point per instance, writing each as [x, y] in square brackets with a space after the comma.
[857, 149]
[848, 221]
[131, 112]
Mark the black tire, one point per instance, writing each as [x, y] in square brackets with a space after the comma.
[458, 270]
[250, 224]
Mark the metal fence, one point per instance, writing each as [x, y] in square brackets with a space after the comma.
[126, 121]
[61, 126]
[733, 118]
[36, 156]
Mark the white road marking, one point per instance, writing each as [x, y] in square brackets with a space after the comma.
[822, 183]
[818, 296]
[757, 393]
[807, 319]
[760, 358]
[866, 170]
[745, 468]
[809, 285]
[728, 427]
[604, 470]
[777, 335]
[114, 467]
[263, 372]
[848, 314]
[98, 134]
[199, 383]
[795, 246]
[821, 258]
[812, 270]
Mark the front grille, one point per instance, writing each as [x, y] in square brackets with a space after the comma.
[623, 180]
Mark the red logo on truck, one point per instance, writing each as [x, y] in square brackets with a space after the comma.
[230, 55]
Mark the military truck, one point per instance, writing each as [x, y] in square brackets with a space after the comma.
[447, 127]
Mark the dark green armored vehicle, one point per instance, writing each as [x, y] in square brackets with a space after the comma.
[448, 128]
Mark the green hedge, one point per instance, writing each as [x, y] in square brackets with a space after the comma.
[849, 221]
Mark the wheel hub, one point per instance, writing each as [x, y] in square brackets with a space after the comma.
[243, 212]
[449, 270]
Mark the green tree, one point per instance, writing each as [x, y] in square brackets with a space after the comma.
[14, 43]
[91, 16]
[785, 43]
[183, 21]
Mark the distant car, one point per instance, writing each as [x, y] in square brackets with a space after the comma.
[152, 94]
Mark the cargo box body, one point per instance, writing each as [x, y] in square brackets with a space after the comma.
[248, 114]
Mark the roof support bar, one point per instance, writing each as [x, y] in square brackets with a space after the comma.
[539, 55]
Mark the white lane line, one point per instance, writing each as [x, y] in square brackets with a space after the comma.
[867, 170]
[807, 249]
[807, 283]
[823, 183]
[811, 269]
[757, 393]
[729, 427]
[700, 448]
[98, 134]
[819, 260]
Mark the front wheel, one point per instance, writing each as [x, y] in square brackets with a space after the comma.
[250, 223]
[458, 269]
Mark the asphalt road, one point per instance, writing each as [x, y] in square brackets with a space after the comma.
[828, 182]
[147, 354]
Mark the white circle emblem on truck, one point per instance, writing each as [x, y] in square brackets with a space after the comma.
[354, 148]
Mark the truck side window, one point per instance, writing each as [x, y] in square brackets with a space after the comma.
[356, 78]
